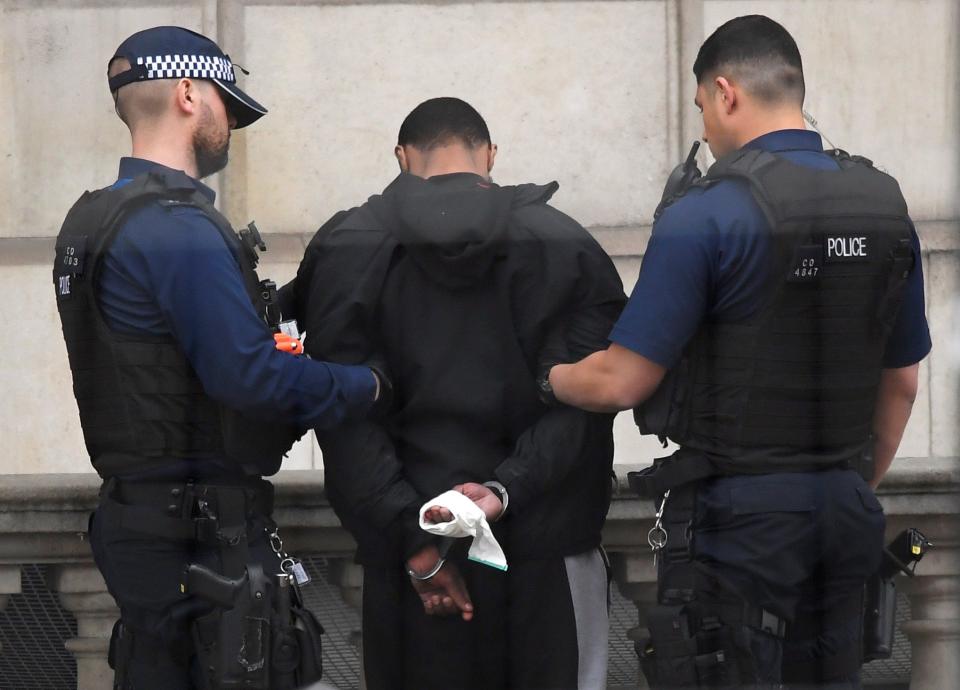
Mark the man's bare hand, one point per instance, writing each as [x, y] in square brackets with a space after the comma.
[483, 496]
[444, 594]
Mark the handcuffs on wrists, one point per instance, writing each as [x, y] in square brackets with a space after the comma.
[504, 497]
[445, 544]
[426, 576]
[504, 502]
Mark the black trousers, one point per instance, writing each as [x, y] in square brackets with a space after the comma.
[800, 545]
[541, 624]
[143, 574]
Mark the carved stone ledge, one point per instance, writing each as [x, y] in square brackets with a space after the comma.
[83, 592]
[934, 630]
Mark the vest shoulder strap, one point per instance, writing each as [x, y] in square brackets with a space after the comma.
[786, 189]
[92, 223]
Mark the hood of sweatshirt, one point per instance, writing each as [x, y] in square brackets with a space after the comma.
[453, 226]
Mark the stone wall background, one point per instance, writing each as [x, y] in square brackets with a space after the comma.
[597, 95]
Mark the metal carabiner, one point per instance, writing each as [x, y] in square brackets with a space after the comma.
[657, 536]
[276, 543]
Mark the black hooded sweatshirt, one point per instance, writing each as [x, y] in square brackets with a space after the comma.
[462, 291]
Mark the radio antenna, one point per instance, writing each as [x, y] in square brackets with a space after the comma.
[812, 121]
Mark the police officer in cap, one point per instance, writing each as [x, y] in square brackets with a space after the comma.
[185, 399]
[774, 333]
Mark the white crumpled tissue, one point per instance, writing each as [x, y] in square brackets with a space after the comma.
[468, 521]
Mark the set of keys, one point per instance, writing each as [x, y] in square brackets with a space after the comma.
[290, 566]
[657, 536]
[294, 569]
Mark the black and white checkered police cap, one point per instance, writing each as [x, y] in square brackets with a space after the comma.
[172, 52]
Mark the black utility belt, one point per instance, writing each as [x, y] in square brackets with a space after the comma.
[186, 511]
[175, 497]
[684, 468]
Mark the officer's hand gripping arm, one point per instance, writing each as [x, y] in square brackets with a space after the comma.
[546, 453]
[200, 291]
[607, 381]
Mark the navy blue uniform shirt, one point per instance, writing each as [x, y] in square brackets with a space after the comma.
[169, 272]
[708, 259]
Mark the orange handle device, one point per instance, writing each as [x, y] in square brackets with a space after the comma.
[286, 343]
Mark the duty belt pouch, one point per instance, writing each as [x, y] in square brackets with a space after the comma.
[663, 413]
[297, 655]
[309, 632]
[718, 665]
[667, 657]
[119, 653]
[675, 656]
[258, 447]
[684, 467]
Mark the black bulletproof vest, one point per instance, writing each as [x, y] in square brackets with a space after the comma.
[140, 401]
[794, 387]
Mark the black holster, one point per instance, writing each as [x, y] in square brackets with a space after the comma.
[879, 618]
[233, 644]
[880, 592]
[260, 636]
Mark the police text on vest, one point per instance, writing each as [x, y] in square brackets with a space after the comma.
[847, 247]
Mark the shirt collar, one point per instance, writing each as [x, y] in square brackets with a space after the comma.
[132, 167]
[787, 140]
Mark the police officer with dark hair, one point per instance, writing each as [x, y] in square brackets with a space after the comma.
[183, 394]
[774, 333]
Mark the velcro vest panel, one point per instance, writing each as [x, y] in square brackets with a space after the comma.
[794, 387]
[139, 399]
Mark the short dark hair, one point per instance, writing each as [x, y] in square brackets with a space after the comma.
[141, 99]
[436, 122]
[759, 52]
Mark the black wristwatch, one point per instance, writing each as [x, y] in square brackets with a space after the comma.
[547, 396]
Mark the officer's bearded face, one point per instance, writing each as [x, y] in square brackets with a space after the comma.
[211, 139]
